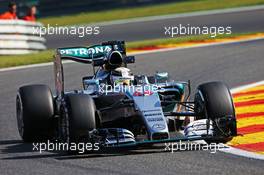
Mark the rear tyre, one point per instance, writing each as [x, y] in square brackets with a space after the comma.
[35, 110]
[213, 101]
[81, 116]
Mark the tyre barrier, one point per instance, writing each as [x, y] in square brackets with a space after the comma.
[20, 37]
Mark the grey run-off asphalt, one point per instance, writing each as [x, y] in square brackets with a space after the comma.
[240, 21]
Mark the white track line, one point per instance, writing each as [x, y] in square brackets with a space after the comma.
[242, 153]
[247, 86]
[138, 53]
[31, 66]
[237, 151]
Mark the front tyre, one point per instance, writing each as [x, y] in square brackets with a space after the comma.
[81, 112]
[213, 101]
[35, 110]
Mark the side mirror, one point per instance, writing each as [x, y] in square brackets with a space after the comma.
[129, 59]
[90, 84]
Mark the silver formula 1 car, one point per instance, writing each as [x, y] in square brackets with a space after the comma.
[117, 108]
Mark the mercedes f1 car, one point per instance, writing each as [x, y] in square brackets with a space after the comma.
[117, 108]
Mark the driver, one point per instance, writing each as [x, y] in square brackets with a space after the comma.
[121, 76]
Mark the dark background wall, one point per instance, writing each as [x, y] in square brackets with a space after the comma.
[62, 7]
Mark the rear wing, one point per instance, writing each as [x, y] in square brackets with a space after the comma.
[94, 55]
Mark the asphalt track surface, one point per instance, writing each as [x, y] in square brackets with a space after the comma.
[235, 64]
[241, 22]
